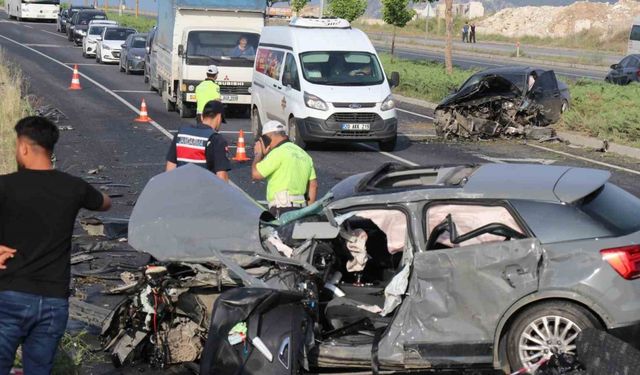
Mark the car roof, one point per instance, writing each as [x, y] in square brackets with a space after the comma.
[560, 184]
[508, 70]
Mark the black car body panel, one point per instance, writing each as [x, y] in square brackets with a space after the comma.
[626, 71]
[502, 102]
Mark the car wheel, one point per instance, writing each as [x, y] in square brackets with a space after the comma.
[121, 68]
[256, 124]
[388, 146]
[294, 134]
[545, 329]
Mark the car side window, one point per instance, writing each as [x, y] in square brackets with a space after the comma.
[625, 62]
[269, 62]
[290, 76]
[460, 225]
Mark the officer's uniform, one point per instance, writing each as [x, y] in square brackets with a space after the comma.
[200, 145]
[207, 91]
[288, 170]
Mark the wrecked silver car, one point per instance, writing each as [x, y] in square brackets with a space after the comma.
[503, 102]
[403, 268]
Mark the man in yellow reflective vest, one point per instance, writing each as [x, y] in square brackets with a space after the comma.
[207, 91]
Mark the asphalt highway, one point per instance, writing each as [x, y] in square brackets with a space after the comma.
[104, 134]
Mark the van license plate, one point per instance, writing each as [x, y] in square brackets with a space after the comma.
[356, 127]
[229, 98]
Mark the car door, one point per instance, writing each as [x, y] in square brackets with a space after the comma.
[478, 262]
[125, 49]
[546, 93]
[291, 92]
[630, 70]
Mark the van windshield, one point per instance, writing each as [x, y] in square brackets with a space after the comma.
[635, 33]
[223, 48]
[341, 68]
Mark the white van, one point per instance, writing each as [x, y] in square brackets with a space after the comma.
[324, 80]
[634, 38]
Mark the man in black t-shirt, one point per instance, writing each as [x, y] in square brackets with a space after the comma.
[38, 209]
[202, 144]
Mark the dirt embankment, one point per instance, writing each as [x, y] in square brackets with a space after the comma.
[559, 22]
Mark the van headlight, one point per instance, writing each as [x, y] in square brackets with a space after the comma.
[388, 104]
[314, 102]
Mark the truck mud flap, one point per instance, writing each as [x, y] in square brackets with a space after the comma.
[276, 326]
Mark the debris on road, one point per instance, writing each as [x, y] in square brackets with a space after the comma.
[53, 114]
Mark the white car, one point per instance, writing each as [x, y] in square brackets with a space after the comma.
[90, 41]
[110, 43]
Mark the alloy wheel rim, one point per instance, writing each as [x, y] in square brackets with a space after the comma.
[546, 336]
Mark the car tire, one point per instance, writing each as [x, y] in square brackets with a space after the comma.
[256, 124]
[388, 146]
[294, 134]
[539, 320]
[121, 68]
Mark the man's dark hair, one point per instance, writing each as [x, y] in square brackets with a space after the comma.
[39, 130]
[212, 109]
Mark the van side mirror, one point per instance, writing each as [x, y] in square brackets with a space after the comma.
[180, 50]
[394, 81]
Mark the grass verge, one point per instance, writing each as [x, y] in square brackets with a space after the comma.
[598, 109]
[142, 23]
[13, 108]
[585, 40]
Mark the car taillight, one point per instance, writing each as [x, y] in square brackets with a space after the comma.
[625, 260]
[638, 73]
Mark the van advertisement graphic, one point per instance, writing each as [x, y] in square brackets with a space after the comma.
[269, 62]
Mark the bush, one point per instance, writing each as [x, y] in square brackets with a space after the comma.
[142, 23]
[13, 108]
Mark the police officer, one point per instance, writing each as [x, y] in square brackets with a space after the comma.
[207, 91]
[201, 144]
[288, 169]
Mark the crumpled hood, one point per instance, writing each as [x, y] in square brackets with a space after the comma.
[487, 87]
[183, 214]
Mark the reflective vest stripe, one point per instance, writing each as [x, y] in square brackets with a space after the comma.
[190, 155]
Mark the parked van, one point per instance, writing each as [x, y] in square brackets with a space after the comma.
[325, 81]
[634, 38]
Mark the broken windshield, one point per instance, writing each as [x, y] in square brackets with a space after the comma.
[221, 47]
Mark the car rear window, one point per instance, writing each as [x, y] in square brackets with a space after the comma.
[608, 212]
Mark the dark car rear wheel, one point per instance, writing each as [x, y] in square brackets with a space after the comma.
[544, 329]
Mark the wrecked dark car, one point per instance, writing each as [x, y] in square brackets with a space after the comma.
[403, 268]
[503, 102]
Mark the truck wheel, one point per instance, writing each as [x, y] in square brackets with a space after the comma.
[256, 125]
[546, 328]
[185, 109]
[294, 134]
[390, 145]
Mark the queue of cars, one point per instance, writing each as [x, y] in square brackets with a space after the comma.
[103, 39]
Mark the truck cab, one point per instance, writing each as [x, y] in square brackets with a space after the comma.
[192, 35]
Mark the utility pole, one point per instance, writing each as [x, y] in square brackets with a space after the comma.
[120, 8]
[321, 8]
[137, 8]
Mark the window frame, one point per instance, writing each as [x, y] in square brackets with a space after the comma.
[488, 203]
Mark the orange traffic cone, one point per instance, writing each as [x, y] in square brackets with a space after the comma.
[75, 79]
[241, 151]
[144, 116]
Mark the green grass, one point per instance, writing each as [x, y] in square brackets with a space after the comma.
[13, 108]
[598, 109]
[585, 40]
[142, 23]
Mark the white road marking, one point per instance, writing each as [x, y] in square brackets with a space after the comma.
[56, 34]
[117, 97]
[515, 160]
[632, 171]
[47, 45]
[27, 26]
[390, 155]
[131, 91]
[415, 114]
